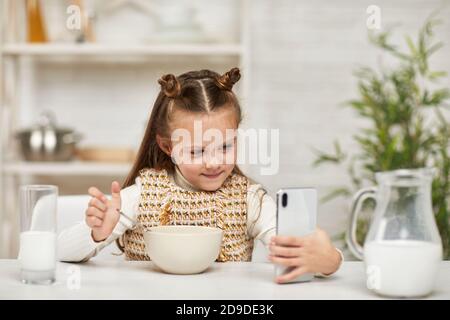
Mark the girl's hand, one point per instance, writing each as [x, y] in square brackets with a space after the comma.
[102, 214]
[310, 254]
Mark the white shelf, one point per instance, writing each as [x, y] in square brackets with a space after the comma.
[116, 50]
[66, 168]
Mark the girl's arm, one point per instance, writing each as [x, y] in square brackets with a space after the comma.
[75, 244]
[261, 214]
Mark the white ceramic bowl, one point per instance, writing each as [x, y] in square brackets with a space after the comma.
[183, 249]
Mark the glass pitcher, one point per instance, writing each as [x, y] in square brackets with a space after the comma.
[403, 249]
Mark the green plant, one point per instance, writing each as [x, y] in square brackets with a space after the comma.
[407, 128]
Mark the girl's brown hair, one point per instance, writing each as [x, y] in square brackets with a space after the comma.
[201, 91]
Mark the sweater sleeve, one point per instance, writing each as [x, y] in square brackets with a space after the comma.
[261, 214]
[75, 244]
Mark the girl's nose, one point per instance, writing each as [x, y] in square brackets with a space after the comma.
[212, 162]
[211, 165]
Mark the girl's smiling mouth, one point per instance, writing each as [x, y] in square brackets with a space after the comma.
[212, 176]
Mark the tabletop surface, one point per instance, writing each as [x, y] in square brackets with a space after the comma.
[103, 279]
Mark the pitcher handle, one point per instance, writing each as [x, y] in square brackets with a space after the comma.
[359, 198]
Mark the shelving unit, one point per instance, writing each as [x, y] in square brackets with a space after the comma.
[75, 50]
[13, 53]
[67, 169]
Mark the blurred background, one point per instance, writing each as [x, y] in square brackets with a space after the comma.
[89, 70]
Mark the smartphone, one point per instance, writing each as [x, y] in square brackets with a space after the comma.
[296, 216]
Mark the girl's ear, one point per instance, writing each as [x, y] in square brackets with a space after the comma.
[164, 145]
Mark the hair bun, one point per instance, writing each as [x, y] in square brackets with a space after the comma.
[227, 80]
[170, 85]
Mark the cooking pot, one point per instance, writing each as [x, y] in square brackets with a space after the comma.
[47, 142]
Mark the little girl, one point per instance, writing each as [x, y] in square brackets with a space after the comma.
[194, 186]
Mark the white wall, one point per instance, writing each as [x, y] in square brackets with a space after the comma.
[303, 56]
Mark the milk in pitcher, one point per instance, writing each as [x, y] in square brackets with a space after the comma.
[402, 268]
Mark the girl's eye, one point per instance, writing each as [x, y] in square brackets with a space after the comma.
[196, 153]
[227, 147]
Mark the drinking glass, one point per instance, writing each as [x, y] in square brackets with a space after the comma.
[37, 253]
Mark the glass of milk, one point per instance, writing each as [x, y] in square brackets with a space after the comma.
[37, 253]
[403, 249]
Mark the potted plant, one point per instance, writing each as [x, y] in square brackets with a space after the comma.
[407, 128]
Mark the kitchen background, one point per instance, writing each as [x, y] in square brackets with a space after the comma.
[296, 58]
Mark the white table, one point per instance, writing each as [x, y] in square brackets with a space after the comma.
[102, 279]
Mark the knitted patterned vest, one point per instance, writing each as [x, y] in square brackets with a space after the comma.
[162, 202]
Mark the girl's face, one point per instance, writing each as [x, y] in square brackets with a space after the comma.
[203, 146]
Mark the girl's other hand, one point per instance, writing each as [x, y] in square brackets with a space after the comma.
[310, 254]
[102, 214]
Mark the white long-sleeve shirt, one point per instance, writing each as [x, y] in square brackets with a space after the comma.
[75, 244]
